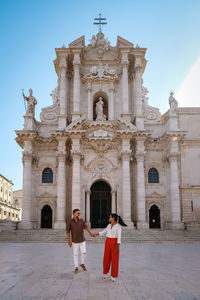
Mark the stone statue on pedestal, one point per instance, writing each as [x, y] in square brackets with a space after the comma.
[99, 110]
[173, 103]
[31, 102]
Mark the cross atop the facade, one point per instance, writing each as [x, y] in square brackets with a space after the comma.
[99, 23]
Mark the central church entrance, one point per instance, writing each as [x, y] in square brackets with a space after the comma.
[46, 217]
[154, 217]
[100, 204]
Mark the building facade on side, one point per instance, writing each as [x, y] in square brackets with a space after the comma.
[102, 148]
[9, 208]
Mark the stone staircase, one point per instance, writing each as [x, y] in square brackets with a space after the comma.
[129, 235]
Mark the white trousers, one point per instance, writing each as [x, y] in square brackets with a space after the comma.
[76, 247]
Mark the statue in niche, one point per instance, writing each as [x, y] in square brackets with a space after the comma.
[173, 103]
[99, 110]
[31, 102]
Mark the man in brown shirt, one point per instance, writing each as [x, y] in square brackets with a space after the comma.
[76, 226]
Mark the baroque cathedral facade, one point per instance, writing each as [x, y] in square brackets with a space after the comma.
[102, 148]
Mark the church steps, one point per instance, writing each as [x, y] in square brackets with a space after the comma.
[128, 236]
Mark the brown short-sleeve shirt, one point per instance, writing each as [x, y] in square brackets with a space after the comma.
[77, 230]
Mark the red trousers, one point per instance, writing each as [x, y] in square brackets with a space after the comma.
[111, 257]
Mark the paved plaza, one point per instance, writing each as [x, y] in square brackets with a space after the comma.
[147, 271]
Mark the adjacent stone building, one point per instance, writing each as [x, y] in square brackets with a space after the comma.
[102, 148]
[9, 209]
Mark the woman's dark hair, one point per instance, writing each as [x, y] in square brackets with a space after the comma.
[118, 219]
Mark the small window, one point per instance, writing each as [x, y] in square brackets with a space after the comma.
[4, 213]
[47, 176]
[153, 176]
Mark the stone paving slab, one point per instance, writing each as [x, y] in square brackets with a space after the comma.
[34, 271]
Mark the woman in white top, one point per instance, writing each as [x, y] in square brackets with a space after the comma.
[113, 240]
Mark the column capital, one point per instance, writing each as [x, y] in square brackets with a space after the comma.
[27, 156]
[140, 156]
[76, 60]
[125, 155]
[89, 86]
[61, 156]
[88, 192]
[111, 86]
[173, 156]
[63, 63]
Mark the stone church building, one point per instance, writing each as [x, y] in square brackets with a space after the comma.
[102, 148]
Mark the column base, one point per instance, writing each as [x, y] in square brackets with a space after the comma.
[174, 225]
[60, 225]
[142, 225]
[62, 122]
[129, 223]
[25, 225]
[75, 116]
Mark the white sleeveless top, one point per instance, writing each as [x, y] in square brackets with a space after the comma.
[114, 232]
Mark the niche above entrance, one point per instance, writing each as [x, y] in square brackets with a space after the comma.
[100, 106]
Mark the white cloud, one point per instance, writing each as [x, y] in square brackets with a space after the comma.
[189, 91]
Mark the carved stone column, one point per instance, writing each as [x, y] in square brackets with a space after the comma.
[111, 102]
[76, 173]
[88, 192]
[138, 94]
[175, 207]
[27, 187]
[90, 102]
[62, 119]
[114, 211]
[61, 186]
[125, 91]
[76, 92]
[126, 188]
[140, 187]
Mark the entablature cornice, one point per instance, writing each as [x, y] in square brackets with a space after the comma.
[25, 135]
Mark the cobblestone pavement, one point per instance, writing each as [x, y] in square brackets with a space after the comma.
[32, 271]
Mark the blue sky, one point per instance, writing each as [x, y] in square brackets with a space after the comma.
[31, 30]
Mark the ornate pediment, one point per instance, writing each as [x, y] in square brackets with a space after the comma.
[99, 48]
[123, 43]
[79, 43]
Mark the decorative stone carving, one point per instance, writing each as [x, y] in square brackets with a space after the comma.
[100, 133]
[101, 72]
[151, 113]
[55, 96]
[50, 114]
[100, 170]
[31, 102]
[99, 40]
[93, 41]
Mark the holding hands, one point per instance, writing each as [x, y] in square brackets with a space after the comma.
[94, 235]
